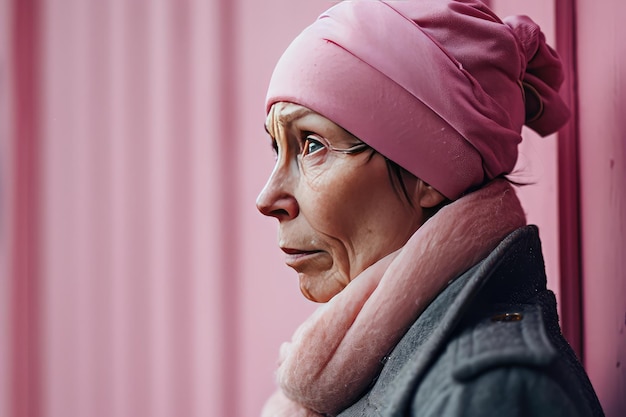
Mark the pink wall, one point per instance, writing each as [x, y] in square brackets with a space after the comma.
[6, 206]
[127, 298]
[159, 289]
[602, 100]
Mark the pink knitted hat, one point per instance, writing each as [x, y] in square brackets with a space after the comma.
[440, 87]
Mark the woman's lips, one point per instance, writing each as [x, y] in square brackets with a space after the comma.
[296, 257]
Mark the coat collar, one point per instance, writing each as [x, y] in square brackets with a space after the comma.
[512, 273]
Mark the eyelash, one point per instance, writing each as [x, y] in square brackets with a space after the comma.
[307, 137]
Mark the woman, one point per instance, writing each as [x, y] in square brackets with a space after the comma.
[394, 125]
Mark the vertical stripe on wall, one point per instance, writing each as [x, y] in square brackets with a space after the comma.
[569, 182]
[25, 341]
[228, 137]
[6, 207]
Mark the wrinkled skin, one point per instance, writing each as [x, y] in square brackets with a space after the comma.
[337, 213]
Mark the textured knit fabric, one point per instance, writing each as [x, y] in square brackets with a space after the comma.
[489, 345]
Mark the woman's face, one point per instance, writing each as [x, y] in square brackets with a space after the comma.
[338, 213]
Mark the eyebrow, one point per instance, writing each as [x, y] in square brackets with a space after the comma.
[287, 119]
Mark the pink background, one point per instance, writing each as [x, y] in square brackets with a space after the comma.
[137, 278]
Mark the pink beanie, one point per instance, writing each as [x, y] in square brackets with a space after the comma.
[440, 87]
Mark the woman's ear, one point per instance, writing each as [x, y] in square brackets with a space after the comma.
[427, 196]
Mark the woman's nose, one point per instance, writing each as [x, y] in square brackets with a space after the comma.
[276, 199]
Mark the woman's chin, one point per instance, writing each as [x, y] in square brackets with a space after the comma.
[319, 288]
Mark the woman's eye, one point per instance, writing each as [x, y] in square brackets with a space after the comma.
[311, 145]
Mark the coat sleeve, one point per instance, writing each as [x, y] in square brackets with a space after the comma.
[507, 391]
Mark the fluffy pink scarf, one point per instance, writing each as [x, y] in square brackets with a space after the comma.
[336, 353]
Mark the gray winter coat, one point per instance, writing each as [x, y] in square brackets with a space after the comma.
[489, 345]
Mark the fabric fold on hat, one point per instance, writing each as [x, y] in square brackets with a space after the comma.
[543, 76]
[435, 86]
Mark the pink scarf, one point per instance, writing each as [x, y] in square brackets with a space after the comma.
[336, 353]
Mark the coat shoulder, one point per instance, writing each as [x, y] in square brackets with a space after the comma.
[501, 391]
[507, 335]
[503, 361]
